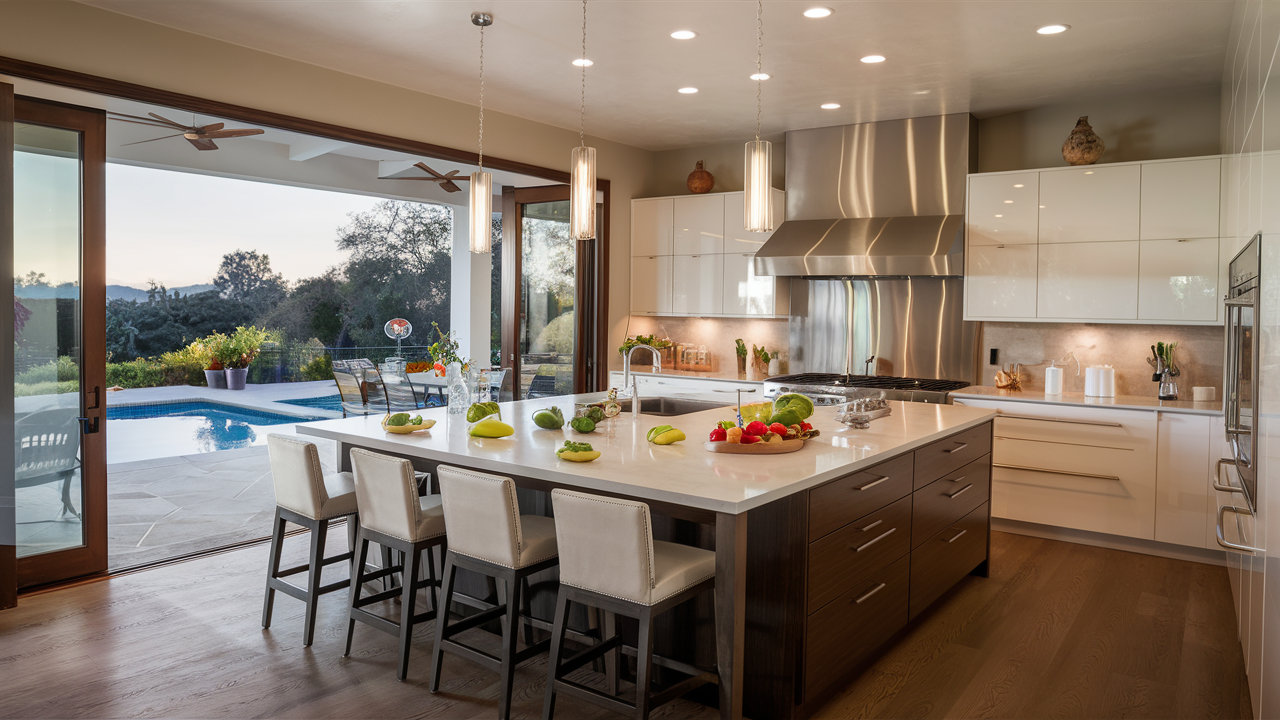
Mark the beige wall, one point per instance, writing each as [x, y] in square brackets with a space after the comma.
[671, 168]
[89, 40]
[1177, 123]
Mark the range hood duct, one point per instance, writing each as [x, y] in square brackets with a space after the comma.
[881, 199]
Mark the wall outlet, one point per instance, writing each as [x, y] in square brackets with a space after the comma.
[995, 356]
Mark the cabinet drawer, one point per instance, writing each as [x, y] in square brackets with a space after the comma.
[945, 501]
[841, 559]
[853, 626]
[935, 460]
[839, 502]
[945, 558]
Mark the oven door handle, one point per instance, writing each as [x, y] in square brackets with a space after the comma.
[1217, 475]
[1222, 540]
[1231, 381]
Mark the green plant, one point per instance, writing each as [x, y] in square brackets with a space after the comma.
[138, 373]
[241, 347]
[187, 365]
[650, 340]
[763, 354]
[740, 348]
[49, 387]
[319, 368]
[444, 350]
[62, 370]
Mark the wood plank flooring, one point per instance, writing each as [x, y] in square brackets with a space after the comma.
[1058, 631]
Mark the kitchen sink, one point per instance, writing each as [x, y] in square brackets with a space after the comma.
[669, 407]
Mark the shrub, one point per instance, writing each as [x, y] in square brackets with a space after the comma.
[185, 366]
[63, 369]
[241, 347]
[48, 387]
[320, 368]
[138, 373]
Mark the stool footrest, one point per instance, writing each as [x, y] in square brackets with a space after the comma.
[377, 621]
[394, 592]
[339, 585]
[670, 664]
[293, 570]
[663, 697]
[338, 558]
[586, 656]
[475, 620]
[589, 693]
[287, 588]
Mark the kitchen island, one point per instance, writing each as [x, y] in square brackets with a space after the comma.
[822, 555]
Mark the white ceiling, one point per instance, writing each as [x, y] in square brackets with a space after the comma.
[943, 56]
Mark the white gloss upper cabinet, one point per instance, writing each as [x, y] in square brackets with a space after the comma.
[1003, 209]
[1088, 281]
[651, 284]
[699, 225]
[1180, 199]
[697, 285]
[746, 293]
[1000, 282]
[652, 223]
[736, 237]
[1178, 280]
[1090, 204]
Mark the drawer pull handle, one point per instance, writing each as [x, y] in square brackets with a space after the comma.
[1099, 423]
[958, 536]
[1055, 472]
[873, 483]
[867, 595]
[875, 540]
[957, 449]
[960, 492]
[957, 479]
[872, 525]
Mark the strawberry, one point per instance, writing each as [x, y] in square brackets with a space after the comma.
[719, 435]
[747, 439]
[755, 427]
[805, 427]
[778, 429]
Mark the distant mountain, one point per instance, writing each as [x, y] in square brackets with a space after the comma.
[125, 292]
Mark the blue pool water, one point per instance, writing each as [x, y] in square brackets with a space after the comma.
[141, 432]
[324, 402]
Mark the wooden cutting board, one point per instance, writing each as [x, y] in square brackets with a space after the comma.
[760, 448]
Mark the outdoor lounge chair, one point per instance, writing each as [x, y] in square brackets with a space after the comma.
[364, 392]
[47, 450]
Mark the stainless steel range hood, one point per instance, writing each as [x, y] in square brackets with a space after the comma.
[875, 200]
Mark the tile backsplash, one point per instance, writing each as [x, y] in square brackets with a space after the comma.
[1126, 347]
[717, 334]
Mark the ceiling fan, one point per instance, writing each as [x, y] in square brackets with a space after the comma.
[446, 181]
[202, 136]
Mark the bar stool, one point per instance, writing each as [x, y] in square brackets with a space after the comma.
[305, 496]
[488, 535]
[609, 560]
[394, 516]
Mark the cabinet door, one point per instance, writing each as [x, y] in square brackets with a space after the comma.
[1180, 199]
[698, 285]
[699, 225]
[1000, 282]
[1178, 280]
[1003, 209]
[651, 226]
[736, 237]
[1183, 488]
[651, 284]
[746, 293]
[1088, 281]
[1090, 204]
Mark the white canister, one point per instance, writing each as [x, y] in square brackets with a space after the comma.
[1107, 381]
[1091, 380]
[1053, 380]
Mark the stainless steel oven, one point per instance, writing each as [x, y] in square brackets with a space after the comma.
[1241, 366]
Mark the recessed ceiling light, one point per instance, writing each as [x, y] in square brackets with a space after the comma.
[1018, 185]
[873, 59]
[1053, 29]
[830, 106]
[999, 216]
[583, 62]
[818, 12]
[760, 76]
[923, 92]
[684, 34]
[1088, 172]
[688, 90]
[1008, 202]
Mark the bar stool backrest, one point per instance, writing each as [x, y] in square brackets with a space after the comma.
[481, 514]
[386, 493]
[605, 544]
[296, 475]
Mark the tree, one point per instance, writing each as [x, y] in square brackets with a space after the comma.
[166, 322]
[246, 276]
[314, 309]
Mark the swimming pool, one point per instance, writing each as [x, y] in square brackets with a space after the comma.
[155, 430]
[324, 402]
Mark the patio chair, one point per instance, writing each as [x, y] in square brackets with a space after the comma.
[400, 391]
[349, 376]
[542, 386]
[47, 450]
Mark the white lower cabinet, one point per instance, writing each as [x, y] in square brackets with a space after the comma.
[1088, 281]
[697, 285]
[1178, 280]
[1000, 281]
[651, 284]
[1183, 471]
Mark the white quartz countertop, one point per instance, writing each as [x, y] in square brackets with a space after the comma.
[684, 473]
[1120, 402]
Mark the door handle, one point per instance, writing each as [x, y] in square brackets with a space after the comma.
[873, 483]
[867, 595]
[88, 426]
[957, 449]
[958, 536]
[1223, 541]
[875, 540]
[959, 492]
[1229, 488]
[96, 392]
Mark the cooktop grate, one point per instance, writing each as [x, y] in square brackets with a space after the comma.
[884, 382]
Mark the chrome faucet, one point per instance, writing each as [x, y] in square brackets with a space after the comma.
[630, 386]
[866, 365]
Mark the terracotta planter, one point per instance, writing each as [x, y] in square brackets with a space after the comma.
[1083, 146]
[216, 379]
[700, 181]
[236, 378]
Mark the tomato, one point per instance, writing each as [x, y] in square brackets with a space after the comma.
[719, 435]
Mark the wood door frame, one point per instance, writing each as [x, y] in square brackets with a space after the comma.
[8, 552]
[590, 371]
[91, 557]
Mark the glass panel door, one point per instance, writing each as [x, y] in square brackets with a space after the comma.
[59, 460]
[548, 330]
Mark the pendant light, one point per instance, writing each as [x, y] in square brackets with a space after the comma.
[582, 165]
[758, 170]
[481, 181]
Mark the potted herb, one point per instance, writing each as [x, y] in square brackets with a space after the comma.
[207, 351]
[741, 349]
[237, 352]
[444, 351]
[652, 341]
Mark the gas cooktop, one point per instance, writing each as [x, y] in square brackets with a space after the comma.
[833, 388]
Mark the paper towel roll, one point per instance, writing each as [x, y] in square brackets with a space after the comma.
[1107, 382]
[1092, 376]
[1053, 380]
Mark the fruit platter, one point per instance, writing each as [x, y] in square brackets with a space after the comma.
[766, 428]
[402, 424]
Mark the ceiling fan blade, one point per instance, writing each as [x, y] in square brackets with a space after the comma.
[139, 121]
[222, 134]
[170, 122]
[450, 187]
[213, 127]
[166, 137]
[202, 144]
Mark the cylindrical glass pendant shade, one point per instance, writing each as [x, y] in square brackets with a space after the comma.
[758, 177]
[582, 193]
[481, 214]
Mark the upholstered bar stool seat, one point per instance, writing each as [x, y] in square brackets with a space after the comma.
[609, 560]
[305, 496]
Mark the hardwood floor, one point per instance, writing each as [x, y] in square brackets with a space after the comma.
[1059, 630]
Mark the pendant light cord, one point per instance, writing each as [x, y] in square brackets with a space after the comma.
[759, 46]
[582, 121]
[481, 163]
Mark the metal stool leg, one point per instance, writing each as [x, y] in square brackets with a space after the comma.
[442, 619]
[362, 555]
[319, 532]
[408, 602]
[557, 649]
[273, 567]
